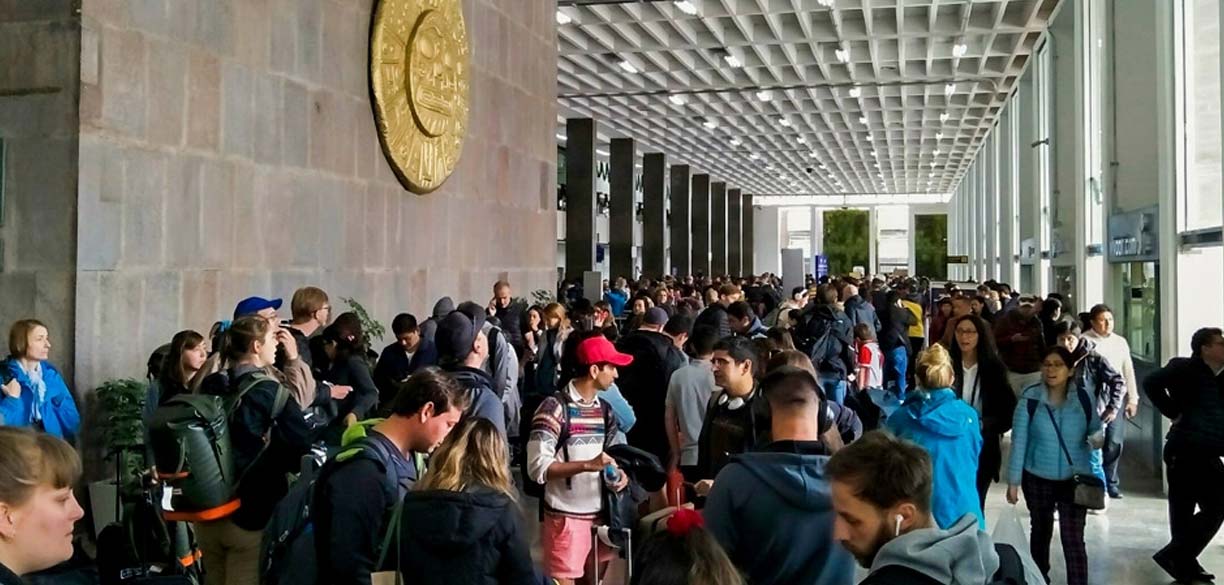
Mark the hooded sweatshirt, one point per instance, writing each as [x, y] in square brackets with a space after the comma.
[772, 511]
[473, 537]
[441, 309]
[959, 555]
[950, 430]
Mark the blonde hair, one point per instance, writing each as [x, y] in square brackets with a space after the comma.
[933, 369]
[555, 311]
[472, 455]
[307, 301]
[29, 459]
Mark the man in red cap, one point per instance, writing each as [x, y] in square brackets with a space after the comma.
[566, 454]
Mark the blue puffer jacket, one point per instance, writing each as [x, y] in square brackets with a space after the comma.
[59, 412]
[950, 430]
[617, 299]
[1035, 446]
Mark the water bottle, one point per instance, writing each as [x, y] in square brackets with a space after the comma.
[611, 474]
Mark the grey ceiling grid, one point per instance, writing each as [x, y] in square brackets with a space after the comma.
[835, 123]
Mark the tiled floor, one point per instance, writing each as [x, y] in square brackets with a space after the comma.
[1120, 542]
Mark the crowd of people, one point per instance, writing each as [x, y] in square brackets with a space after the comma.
[783, 434]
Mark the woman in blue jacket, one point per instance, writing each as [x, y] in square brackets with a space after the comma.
[37, 395]
[950, 430]
[1054, 430]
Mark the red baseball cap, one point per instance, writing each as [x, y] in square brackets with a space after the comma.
[598, 350]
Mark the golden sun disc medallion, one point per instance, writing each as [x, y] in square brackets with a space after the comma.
[419, 88]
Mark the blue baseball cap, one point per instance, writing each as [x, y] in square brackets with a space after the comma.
[252, 305]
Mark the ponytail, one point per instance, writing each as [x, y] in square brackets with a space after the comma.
[236, 341]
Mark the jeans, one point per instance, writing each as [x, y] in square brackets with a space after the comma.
[895, 362]
[834, 386]
[1115, 436]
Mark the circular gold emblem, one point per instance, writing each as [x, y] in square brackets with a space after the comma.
[419, 82]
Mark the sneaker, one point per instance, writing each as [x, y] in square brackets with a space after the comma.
[1164, 558]
[1115, 494]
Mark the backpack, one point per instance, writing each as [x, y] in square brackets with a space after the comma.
[530, 486]
[1010, 572]
[143, 548]
[191, 446]
[819, 346]
[287, 549]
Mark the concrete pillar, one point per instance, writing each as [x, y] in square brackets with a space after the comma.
[580, 196]
[701, 224]
[654, 173]
[749, 237]
[681, 250]
[735, 232]
[621, 211]
[718, 228]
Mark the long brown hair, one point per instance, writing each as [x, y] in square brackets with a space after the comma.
[472, 455]
[172, 364]
[238, 339]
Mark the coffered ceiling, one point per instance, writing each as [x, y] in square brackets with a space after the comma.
[799, 97]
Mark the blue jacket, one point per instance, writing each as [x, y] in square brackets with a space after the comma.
[59, 412]
[617, 299]
[1035, 446]
[772, 511]
[950, 430]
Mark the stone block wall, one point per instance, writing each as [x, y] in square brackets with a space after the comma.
[228, 148]
[39, 49]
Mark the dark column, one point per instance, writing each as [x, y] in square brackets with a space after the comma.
[654, 171]
[621, 212]
[748, 237]
[701, 224]
[735, 248]
[718, 228]
[579, 197]
[680, 249]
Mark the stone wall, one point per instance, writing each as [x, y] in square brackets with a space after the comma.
[227, 149]
[39, 46]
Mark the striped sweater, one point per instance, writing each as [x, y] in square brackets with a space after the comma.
[587, 437]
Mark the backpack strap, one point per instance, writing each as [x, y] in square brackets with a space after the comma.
[899, 575]
[390, 537]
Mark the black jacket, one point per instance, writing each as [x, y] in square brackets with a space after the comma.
[349, 529]
[464, 538]
[644, 385]
[715, 316]
[394, 367]
[894, 326]
[354, 371]
[1187, 391]
[839, 357]
[510, 318]
[998, 408]
[861, 311]
[264, 482]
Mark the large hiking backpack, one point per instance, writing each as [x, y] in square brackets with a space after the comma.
[819, 341]
[287, 554]
[535, 489]
[144, 548]
[193, 453]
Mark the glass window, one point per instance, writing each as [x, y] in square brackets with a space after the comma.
[1199, 282]
[1202, 206]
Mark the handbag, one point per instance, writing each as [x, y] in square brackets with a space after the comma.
[1089, 489]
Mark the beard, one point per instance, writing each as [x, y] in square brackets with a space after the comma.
[867, 556]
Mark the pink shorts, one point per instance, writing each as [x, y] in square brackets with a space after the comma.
[567, 546]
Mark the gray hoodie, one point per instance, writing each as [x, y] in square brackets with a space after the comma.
[960, 555]
[441, 309]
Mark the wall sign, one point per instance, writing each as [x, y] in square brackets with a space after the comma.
[1132, 236]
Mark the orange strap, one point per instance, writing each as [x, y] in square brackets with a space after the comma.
[203, 515]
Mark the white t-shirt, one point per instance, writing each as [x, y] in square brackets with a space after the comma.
[971, 388]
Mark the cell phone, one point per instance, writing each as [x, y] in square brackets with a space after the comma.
[286, 323]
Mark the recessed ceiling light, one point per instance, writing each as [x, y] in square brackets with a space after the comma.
[711, 124]
[855, 92]
[939, 136]
[687, 7]
[736, 142]
[870, 138]
[801, 140]
[943, 117]
[875, 154]
[825, 3]
[754, 156]
[932, 175]
[784, 122]
[563, 18]
[677, 99]
[936, 153]
[733, 61]
[627, 67]
[764, 95]
[843, 55]
[863, 120]
[959, 49]
[950, 89]
[823, 167]
[813, 155]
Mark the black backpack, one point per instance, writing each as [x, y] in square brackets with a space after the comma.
[819, 341]
[1010, 572]
[287, 550]
[536, 490]
[143, 548]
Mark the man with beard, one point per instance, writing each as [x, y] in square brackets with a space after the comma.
[881, 489]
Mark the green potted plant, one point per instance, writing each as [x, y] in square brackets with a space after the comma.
[122, 402]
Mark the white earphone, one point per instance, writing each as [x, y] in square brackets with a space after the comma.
[897, 527]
